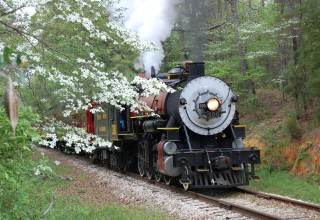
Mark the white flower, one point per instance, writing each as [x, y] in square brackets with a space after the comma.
[37, 172]
[15, 83]
[56, 162]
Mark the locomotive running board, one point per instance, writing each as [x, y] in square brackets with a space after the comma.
[237, 168]
[185, 181]
[202, 170]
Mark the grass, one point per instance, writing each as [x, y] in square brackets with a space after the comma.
[37, 192]
[286, 184]
[73, 208]
[274, 123]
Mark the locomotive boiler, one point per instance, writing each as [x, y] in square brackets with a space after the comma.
[195, 140]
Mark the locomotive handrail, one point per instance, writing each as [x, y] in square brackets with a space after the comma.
[168, 129]
[214, 150]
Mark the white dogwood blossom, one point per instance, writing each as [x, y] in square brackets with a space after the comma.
[73, 138]
[70, 44]
[42, 169]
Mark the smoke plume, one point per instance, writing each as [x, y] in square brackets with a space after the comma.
[152, 20]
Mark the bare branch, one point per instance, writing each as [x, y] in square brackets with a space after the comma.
[49, 208]
[216, 26]
[5, 13]
[250, 6]
[25, 34]
[20, 32]
[201, 29]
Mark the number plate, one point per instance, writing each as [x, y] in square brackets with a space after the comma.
[213, 114]
[202, 105]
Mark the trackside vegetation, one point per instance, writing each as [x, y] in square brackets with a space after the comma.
[29, 181]
[286, 184]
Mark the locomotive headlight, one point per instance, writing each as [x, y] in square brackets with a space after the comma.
[213, 104]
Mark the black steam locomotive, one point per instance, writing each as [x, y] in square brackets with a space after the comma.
[196, 139]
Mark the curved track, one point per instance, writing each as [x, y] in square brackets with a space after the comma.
[245, 202]
[303, 210]
[306, 205]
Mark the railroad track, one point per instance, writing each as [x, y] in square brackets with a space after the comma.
[230, 202]
[306, 205]
[236, 200]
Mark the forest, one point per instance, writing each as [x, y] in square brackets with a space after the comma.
[268, 51]
[57, 57]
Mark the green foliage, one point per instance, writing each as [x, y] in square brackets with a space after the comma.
[303, 153]
[273, 153]
[317, 116]
[73, 208]
[174, 55]
[57, 45]
[18, 199]
[309, 63]
[293, 127]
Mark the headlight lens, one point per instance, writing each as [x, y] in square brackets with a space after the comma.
[213, 104]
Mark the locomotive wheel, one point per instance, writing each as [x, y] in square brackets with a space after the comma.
[158, 176]
[149, 174]
[167, 179]
[124, 168]
[141, 167]
[141, 156]
[186, 185]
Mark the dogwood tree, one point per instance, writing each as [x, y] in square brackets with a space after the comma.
[74, 52]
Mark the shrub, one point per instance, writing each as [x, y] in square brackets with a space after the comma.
[18, 183]
[293, 128]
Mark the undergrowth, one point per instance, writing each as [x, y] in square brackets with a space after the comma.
[19, 195]
[28, 182]
[286, 184]
[273, 121]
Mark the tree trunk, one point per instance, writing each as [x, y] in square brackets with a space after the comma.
[283, 65]
[241, 48]
[299, 84]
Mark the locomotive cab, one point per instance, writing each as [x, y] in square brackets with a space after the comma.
[113, 123]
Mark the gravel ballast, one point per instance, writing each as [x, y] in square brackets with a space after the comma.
[99, 185]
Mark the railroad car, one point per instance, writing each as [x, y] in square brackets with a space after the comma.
[194, 140]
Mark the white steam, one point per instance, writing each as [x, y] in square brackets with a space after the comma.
[152, 20]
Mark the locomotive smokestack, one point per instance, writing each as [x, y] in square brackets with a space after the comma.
[196, 70]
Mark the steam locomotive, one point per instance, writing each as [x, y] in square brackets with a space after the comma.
[195, 139]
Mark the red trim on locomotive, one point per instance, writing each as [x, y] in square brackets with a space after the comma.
[160, 157]
[143, 75]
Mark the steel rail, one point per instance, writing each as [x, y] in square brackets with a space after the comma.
[210, 200]
[306, 205]
[227, 205]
